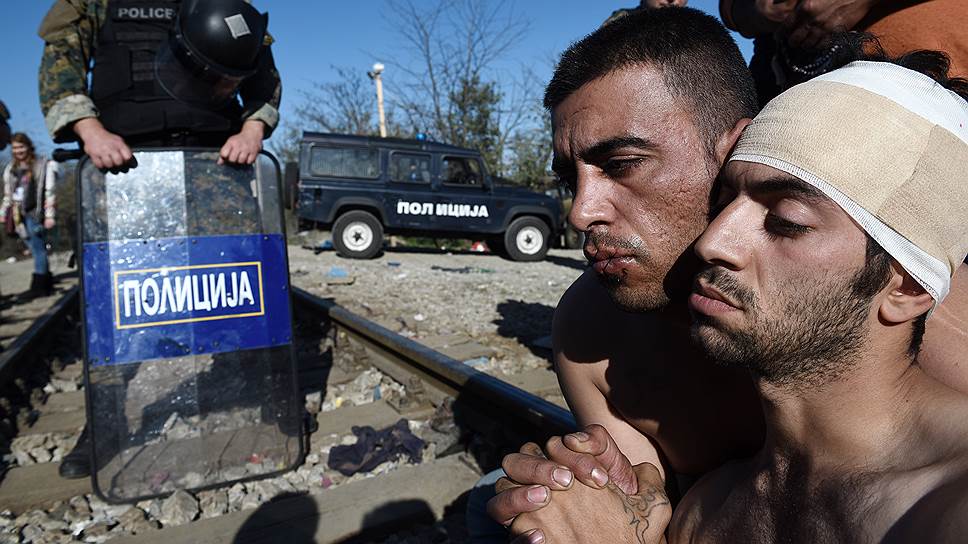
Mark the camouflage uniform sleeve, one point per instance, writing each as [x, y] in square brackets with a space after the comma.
[618, 14]
[262, 93]
[69, 31]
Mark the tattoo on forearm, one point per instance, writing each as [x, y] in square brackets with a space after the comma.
[639, 508]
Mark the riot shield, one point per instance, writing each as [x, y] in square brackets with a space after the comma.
[189, 367]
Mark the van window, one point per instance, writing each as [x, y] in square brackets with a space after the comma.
[410, 167]
[345, 162]
[461, 171]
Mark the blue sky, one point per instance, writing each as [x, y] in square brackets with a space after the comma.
[312, 36]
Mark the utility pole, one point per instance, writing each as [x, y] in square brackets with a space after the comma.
[375, 76]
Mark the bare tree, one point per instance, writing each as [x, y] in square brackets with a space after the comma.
[343, 106]
[450, 86]
[445, 80]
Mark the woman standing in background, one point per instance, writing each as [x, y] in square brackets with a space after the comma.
[29, 186]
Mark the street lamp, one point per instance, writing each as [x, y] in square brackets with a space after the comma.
[375, 76]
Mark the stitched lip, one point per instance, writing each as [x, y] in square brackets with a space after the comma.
[596, 254]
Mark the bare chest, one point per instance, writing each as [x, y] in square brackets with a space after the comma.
[850, 510]
[700, 415]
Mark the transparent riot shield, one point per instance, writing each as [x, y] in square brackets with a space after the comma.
[189, 365]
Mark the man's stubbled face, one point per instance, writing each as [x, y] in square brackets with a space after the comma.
[641, 175]
[807, 335]
[786, 290]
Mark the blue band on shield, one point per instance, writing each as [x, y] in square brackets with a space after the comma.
[176, 296]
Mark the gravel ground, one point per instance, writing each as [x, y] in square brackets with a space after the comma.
[501, 304]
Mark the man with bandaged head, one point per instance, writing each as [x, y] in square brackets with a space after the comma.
[640, 136]
[837, 227]
[841, 222]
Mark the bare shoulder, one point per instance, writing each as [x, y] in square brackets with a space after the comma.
[946, 337]
[705, 499]
[588, 327]
[940, 516]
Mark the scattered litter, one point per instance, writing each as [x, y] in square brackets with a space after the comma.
[477, 361]
[478, 247]
[11, 260]
[339, 276]
[320, 247]
[400, 276]
[464, 269]
[393, 264]
[373, 448]
[419, 317]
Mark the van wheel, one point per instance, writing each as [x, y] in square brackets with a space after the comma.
[357, 235]
[526, 239]
[496, 245]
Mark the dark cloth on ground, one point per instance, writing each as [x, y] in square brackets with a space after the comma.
[374, 448]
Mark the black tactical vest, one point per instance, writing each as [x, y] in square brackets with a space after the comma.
[123, 83]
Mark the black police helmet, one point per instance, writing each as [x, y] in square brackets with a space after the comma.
[213, 47]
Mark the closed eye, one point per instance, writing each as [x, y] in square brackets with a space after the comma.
[775, 226]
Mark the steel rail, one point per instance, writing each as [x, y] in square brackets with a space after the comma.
[443, 372]
[29, 340]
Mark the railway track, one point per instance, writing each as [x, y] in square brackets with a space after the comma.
[353, 371]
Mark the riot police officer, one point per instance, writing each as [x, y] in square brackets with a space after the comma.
[167, 73]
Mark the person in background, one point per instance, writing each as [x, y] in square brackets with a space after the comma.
[4, 126]
[29, 186]
[175, 73]
[4, 133]
[644, 4]
[792, 38]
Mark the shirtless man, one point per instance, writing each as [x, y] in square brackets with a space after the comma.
[842, 221]
[630, 134]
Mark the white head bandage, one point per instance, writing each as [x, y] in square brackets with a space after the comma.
[890, 146]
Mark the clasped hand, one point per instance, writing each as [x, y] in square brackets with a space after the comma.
[540, 500]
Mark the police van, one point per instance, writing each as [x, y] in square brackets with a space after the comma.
[363, 188]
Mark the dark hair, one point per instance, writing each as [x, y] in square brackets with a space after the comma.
[699, 62]
[874, 277]
[855, 46]
[21, 138]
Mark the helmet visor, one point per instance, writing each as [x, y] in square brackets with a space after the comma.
[186, 78]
